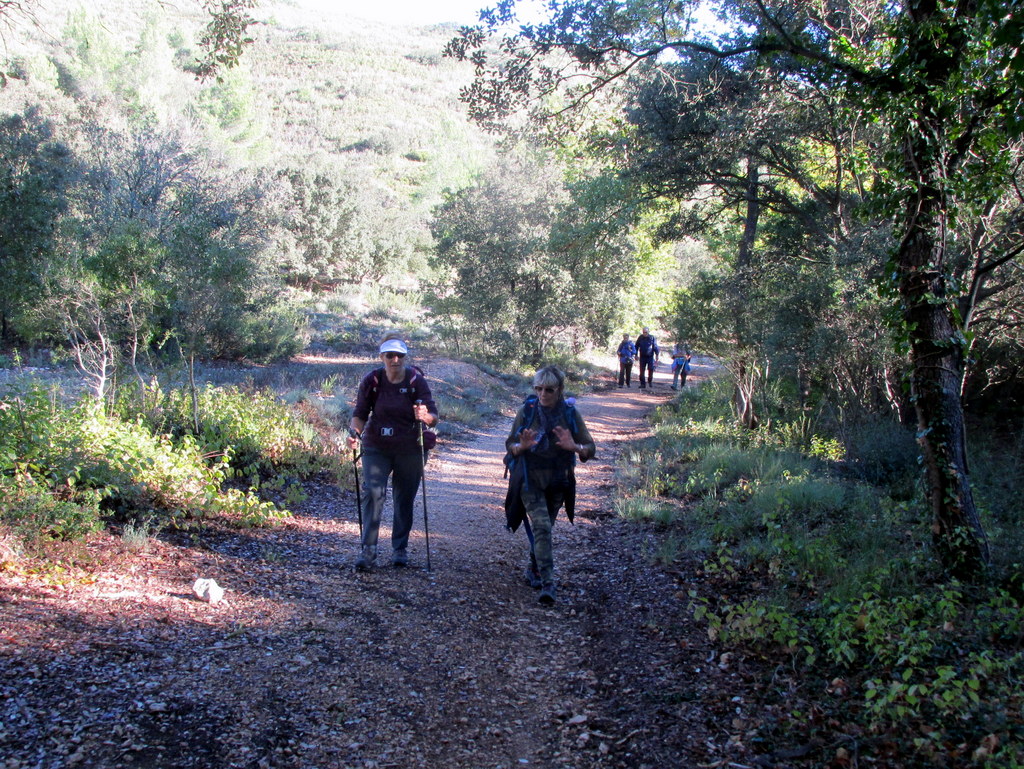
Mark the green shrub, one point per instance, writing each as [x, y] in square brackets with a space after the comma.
[255, 432]
[643, 508]
[72, 463]
[35, 513]
[388, 304]
[28, 420]
[883, 453]
[816, 557]
[137, 470]
[269, 336]
[806, 499]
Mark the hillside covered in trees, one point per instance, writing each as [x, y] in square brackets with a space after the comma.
[311, 164]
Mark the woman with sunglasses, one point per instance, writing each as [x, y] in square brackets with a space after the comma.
[548, 435]
[389, 403]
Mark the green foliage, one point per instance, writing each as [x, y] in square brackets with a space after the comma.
[883, 453]
[805, 563]
[36, 513]
[642, 507]
[256, 434]
[522, 266]
[35, 173]
[145, 157]
[85, 455]
[62, 468]
[397, 306]
[138, 470]
[225, 37]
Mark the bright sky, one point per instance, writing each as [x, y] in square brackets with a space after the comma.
[412, 12]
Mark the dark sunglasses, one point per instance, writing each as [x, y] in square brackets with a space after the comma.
[547, 390]
[391, 355]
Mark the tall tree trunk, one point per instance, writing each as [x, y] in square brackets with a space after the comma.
[936, 336]
[743, 393]
[937, 364]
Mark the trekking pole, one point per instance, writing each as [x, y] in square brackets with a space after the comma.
[423, 481]
[359, 496]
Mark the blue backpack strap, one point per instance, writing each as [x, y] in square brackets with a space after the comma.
[570, 416]
[529, 408]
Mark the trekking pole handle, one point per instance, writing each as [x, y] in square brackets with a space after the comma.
[419, 402]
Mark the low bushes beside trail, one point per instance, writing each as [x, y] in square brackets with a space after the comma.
[807, 554]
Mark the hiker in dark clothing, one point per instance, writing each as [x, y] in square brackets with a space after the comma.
[546, 437]
[648, 352]
[389, 403]
[626, 353]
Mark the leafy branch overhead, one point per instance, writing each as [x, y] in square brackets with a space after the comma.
[599, 43]
[225, 36]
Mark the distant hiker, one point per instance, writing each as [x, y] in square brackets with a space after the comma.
[626, 353]
[680, 365]
[389, 403]
[647, 350]
[546, 437]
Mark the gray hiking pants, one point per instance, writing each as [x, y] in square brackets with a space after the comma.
[405, 471]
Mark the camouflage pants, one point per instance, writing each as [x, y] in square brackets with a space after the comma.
[540, 521]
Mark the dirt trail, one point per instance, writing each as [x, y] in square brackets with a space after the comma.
[309, 664]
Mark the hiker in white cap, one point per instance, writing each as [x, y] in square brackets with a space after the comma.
[390, 403]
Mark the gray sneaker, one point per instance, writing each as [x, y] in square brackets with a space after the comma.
[547, 595]
[400, 559]
[365, 560]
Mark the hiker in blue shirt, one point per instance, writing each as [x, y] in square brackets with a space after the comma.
[546, 437]
[648, 352]
[680, 365]
[626, 353]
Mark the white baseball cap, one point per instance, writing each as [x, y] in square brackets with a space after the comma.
[394, 345]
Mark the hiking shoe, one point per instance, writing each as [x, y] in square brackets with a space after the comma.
[365, 560]
[547, 595]
[533, 577]
[399, 559]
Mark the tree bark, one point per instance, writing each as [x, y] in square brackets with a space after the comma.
[935, 334]
[743, 393]
[937, 364]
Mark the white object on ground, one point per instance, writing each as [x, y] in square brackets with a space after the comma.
[208, 590]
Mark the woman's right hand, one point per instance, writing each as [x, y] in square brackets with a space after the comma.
[527, 439]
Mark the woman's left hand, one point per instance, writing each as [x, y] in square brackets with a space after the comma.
[422, 414]
[565, 439]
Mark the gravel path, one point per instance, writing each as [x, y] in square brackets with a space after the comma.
[306, 663]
